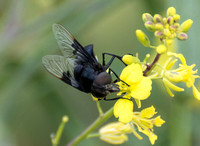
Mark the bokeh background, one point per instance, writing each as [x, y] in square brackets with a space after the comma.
[32, 102]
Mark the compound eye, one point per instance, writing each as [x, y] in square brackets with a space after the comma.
[103, 78]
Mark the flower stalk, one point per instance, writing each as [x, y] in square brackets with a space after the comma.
[100, 120]
[149, 67]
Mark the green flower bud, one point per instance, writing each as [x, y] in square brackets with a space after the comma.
[157, 18]
[141, 36]
[171, 11]
[176, 17]
[182, 36]
[186, 25]
[147, 17]
[150, 25]
[161, 49]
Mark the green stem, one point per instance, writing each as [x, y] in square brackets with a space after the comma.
[99, 108]
[92, 127]
[55, 139]
[93, 135]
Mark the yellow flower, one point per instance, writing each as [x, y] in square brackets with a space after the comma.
[144, 122]
[138, 87]
[115, 133]
[123, 109]
[183, 73]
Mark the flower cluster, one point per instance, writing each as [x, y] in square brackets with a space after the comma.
[136, 78]
[183, 73]
[167, 27]
[115, 133]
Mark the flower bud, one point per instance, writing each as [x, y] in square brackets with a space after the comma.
[159, 26]
[161, 49]
[182, 36]
[147, 17]
[115, 133]
[150, 25]
[171, 11]
[157, 18]
[170, 20]
[65, 119]
[169, 41]
[129, 59]
[164, 20]
[158, 34]
[176, 17]
[186, 25]
[176, 25]
[141, 36]
[167, 32]
[172, 28]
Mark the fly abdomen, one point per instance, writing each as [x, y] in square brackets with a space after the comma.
[85, 77]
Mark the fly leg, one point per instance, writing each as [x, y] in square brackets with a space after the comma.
[116, 98]
[111, 60]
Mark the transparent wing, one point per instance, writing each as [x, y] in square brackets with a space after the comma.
[64, 39]
[57, 65]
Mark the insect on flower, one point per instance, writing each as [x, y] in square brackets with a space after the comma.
[78, 66]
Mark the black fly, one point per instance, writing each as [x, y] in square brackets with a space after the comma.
[78, 66]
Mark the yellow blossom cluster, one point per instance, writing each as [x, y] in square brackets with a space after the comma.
[183, 73]
[116, 132]
[136, 78]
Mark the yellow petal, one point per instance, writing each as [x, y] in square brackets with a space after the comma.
[196, 93]
[159, 121]
[123, 109]
[142, 89]
[132, 74]
[171, 85]
[180, 56]
[151, 135]
[153, 138]
[168, 89]
[148, 112]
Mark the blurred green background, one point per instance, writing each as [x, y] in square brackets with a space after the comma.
[32, 102]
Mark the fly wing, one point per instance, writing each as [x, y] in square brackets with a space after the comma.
[64, 39]
[60, 67]
[70, 47]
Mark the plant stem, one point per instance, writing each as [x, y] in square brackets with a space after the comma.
[99, 109]
[92, 127]
[149, 67]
